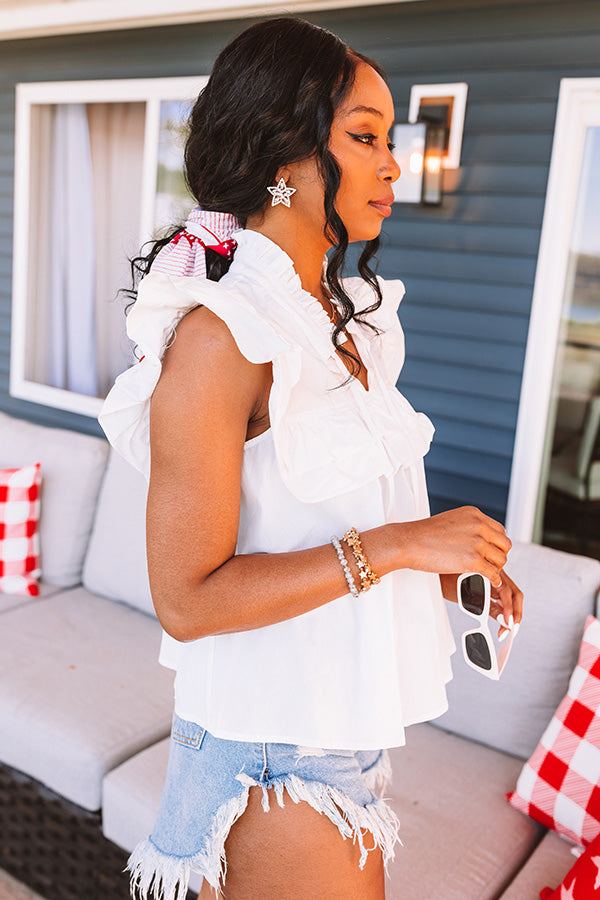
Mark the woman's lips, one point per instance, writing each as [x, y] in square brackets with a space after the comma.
[383, 206]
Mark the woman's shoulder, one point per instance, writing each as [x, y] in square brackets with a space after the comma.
[162, 303]
[164, 300]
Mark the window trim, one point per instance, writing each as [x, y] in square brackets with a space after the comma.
[578, 109]
[32, 19]
[148, 90]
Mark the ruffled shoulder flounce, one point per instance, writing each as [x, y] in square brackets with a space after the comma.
[162, 302]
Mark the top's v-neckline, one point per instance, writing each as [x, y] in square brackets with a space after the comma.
[366, 389]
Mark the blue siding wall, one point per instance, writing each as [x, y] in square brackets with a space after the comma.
[468, 266]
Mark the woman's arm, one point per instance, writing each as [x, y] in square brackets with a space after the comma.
[200, 409]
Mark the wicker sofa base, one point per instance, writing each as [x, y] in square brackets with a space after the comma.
[56, 847]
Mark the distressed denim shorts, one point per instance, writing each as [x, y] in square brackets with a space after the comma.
[206, 790]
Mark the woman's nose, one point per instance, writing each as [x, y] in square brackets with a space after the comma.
[391, 169]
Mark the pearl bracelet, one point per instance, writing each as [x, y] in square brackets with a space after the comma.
[344, 564]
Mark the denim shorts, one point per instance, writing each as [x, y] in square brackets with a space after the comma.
[206, 790]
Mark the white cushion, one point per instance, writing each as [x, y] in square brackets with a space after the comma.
[546, 867]
[511, 714]
[72, 467]
[131, 796]
[9, 601]
[461, 838]
[80, 690]
[115, 564]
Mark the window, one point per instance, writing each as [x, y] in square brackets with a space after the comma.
[556, 465]
[98, 172]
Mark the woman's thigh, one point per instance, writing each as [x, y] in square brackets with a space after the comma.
[294, 852]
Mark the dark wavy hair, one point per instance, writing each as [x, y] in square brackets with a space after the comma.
[270, 101]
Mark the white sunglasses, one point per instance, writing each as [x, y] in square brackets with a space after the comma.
[478, 646]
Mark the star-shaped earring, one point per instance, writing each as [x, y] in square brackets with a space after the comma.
[281, 193]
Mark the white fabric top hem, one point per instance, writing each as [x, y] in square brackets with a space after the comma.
[395, 738]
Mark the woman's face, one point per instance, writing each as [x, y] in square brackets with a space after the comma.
[360, 143]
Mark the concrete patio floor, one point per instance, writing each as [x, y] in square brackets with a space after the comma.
[14, 890]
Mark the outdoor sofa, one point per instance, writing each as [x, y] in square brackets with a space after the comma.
[85, 709]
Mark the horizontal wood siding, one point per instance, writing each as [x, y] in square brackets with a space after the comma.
[469, 265]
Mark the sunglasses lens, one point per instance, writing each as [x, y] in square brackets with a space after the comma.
[472, 594]
[478, 650]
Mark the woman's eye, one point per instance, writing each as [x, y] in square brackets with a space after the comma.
[369, 139]
[363, 138]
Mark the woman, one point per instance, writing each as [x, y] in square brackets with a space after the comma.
[293, 563]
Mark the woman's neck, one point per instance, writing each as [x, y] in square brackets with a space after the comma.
[303, 245]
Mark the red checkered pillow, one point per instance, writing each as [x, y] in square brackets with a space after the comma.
[19, 540]
[582, 882]
[559, 785]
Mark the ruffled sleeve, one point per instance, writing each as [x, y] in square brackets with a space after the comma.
[162, 302]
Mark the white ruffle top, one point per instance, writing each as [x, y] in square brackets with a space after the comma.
[355, 672]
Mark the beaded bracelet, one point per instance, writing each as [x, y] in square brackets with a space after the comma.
[367, 576]
[344, 564]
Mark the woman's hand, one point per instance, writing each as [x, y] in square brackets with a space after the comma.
[507, 600]
[460, 540]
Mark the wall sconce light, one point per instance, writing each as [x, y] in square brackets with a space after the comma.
[419, 152]
[435, 143]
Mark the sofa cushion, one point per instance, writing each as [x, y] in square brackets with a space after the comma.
[131, 796]
[115, 565]
[9, 601]
[461, 838]
[72, 468]
[511, 714]
[548, 864]
[80, 690]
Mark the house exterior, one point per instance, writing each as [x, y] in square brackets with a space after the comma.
[469, 265]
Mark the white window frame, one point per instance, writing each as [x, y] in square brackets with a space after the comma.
[458, 91]
[31, 18]
[578, 109]
[148, 90]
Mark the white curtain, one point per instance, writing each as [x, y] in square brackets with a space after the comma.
[38, 350]
[86, 193]
[117, 149]
[71, 320]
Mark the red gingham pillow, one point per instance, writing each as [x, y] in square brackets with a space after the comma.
[19, 539]
[582, 881]
[560, 785]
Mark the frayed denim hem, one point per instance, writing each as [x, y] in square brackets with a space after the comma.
[379, 776]
[159, 876]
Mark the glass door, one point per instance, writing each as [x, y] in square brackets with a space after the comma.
[568, 510]
[554, 495]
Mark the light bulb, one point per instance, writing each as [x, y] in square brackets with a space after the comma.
[416, 162]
